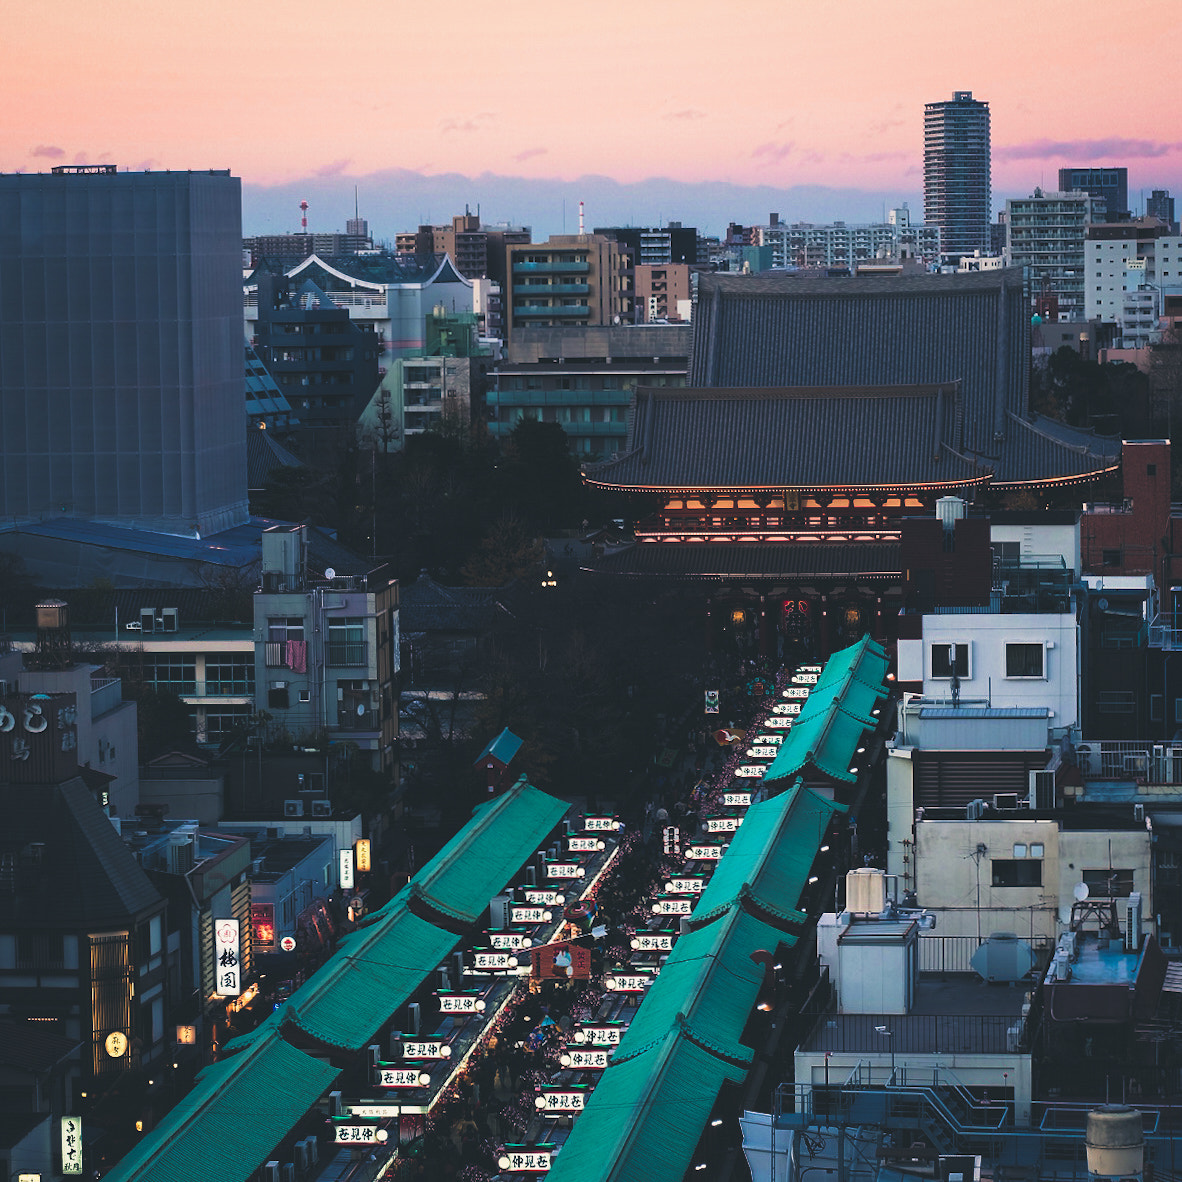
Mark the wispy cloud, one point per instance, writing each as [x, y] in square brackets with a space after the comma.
[529, 154]
[1112, 148]
[50, 151]
[687, 114]
[467, 126]
[773, 151]
[333, 168]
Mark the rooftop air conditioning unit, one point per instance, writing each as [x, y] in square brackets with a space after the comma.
[1042, 790]
[414, 1018]
[975, 810]
[293, 808]
[271, 1172]
[322, 808]
[1005, 800]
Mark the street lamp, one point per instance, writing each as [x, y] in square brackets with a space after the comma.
[888, 1034]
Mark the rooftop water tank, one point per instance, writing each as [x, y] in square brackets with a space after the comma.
[1116, 1142]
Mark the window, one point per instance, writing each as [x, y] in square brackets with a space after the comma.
[277, 695]
[1110, 557]
[950, 658]
[281, 629]
[1037, 849]
[346, 642]
[171, 671]
[1157, 705]
[1024, 660]
[1108, 884]
[1150, 469]
[40, 950]
[1019, 849]
[1017, 872]
[229, 673]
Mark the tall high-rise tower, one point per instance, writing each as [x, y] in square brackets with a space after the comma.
[121, 363]
[957, 195]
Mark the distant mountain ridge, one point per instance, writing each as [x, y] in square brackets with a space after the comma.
[397, 199]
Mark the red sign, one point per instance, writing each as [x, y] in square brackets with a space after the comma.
[562, 961]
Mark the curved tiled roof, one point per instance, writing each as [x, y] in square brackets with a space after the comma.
[813, 351]
[792, 437]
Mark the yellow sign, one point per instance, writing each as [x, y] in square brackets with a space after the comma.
[187, 1035]
[363, 853]
[116, 1044]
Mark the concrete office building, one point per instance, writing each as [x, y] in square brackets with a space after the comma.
[1112, 184]
[1127, 267]
[956, 173]
[121, 375]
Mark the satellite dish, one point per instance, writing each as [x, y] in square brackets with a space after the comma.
[329, 573]
[1080, 891]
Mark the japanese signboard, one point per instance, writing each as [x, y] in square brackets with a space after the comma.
[760, 751]
[530, 915]
[493, 961]
[628, 982]
[704, 853]
[374, 1111]
[796, 691]
[652, 942]
[38, 737]
[601, 1036]
[71, 1145]
[544, 898]
[521, 1159]
[804, 678]
[402, 1077]
[346, 869]
[262, 926]
[712, 701]
[431, 1049]
[736, 799]
[510, 940]
[584, 845]
[564, 870]
[573, 1100]
[750, 771]
[770, 738]
[360, 1134]
[227, 958]
[585, 1060]
[671, 839]
[600, 824]
[460, 1003]
[779, 722]
[561, 961]
[693, 884]
[723, 824]
[363, 855]
[673, 907]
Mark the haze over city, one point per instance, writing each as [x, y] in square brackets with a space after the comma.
[701, 112]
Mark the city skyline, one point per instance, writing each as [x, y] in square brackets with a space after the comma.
[556, 103]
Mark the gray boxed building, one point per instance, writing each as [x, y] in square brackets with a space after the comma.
[121, 378]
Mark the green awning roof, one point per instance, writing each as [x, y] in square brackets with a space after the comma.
[770, 855]
[711, 979]
[644, 1118]
[477, 863]
[840, 708]
[373, 972]
[227, 1126]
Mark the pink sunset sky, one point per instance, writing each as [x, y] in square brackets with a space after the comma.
[827, 92]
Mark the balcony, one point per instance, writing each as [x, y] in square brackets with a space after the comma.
[552, 311]
[541, 290]
[552, 267]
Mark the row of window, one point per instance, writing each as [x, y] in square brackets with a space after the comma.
[1022, 871]
[1023, 659]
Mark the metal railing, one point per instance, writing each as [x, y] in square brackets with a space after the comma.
[1125, 759]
